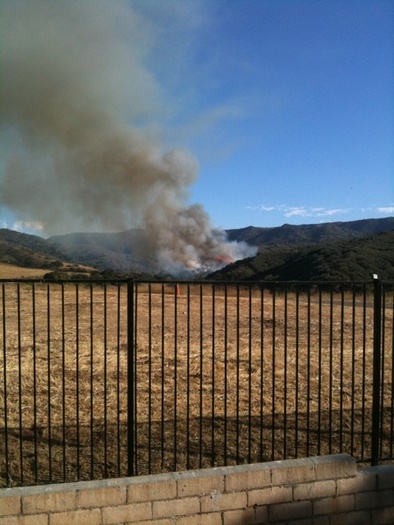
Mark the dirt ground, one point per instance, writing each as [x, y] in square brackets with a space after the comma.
[221, 375]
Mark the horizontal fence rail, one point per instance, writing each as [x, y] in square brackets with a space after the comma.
[108, 379]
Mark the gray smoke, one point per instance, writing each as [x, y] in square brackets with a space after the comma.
[76, 104]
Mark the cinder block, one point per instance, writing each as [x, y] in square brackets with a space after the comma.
[10, 520]
[49, 502]
[318, 489]
[293, 511]
[152, 491]
[213, 518]
[383, 516]
[364, 481]
[334, 505]
[385, 477]
[293, 471]
[200, 486]
[248, 479]
[369, 500]
[235, 517]
[314, 520]
[167, 521]
[103, 497]
[176, 507]
[78, 517]
[126, 513]
[270, 496]
[335, 466]
[352, 518]
[218, 501]
[261, 514]
[34, 519]
[10, 505]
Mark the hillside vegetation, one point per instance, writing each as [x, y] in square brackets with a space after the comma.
[354, 260]
[29, 251]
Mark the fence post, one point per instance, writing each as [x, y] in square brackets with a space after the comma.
[130, 378]
[377, 333]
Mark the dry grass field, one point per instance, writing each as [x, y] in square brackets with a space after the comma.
[222, 375]
[10, 271]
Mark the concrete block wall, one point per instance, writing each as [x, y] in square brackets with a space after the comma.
[327, 490]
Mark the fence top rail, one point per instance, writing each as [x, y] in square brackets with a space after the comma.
[175, 281]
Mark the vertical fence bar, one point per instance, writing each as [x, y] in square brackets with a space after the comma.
[20, 381]
[392, 378]
[188, 377]
[308, 374]
[118, 375]
[213, 379]
[250, 378]
[201, 376]
[130, 379]
[92, 397]
[225, 374]
[364, 366]
[238, 350]
[162, 433]
[383, 364]
[77, 375]
[285, 372]
[49, 413]
[273, 393]
[331, 360]
[150, 378]
[6, 451]
[377, 326]
[33, 298]
[341, 350]
[262, 390]
[105, 329]
[353, 381]
[320, 366]
[297, 369]
[63, 382]
[175, 456]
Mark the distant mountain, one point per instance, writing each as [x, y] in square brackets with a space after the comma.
[349, 260]
[340, 250]
[105, 251]
[290, 235]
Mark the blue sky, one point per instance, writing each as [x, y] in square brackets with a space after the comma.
[287, 105]
[309, 133]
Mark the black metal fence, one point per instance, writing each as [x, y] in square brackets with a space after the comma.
[107, 379]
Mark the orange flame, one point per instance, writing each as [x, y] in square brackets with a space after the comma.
[221, 258]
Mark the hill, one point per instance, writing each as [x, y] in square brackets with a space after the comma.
[116, 251]
[306, 234]
[354, 260]
[329, 251]
[105, 251]
[28, 251]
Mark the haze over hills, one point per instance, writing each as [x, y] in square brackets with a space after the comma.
[328, 251]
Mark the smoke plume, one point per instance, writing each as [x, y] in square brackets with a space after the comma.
[77, 101]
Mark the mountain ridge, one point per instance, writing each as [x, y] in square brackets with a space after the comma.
[280, 249]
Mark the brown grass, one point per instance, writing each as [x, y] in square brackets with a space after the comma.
[222, 377]
[10, 271]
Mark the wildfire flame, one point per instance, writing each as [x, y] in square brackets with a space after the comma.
[221, 258]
